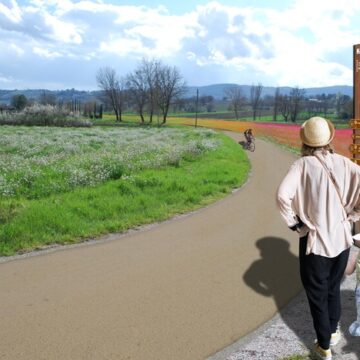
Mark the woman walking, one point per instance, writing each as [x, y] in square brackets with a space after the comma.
[320, 198]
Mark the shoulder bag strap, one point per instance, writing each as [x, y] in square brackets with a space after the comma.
[333, 180]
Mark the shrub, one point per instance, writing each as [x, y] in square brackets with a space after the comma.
[44, 115]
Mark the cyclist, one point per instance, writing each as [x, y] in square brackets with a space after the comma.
[248, 136]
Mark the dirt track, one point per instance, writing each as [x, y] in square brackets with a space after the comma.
[181, 290]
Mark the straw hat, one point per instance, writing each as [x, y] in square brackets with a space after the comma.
[317, 132]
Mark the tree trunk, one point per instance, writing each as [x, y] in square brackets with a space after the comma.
[142, 116]
[236, 114]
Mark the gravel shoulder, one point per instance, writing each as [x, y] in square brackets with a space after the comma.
[290, 332]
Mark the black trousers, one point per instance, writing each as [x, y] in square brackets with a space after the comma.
[321, 277]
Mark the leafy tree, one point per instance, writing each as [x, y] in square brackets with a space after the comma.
[19, 101]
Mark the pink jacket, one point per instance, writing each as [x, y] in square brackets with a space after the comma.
[308, 192]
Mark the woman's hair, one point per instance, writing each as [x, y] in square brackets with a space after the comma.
[307, 150]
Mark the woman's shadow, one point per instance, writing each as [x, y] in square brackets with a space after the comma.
[276, 274]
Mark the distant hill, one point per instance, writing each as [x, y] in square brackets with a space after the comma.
[215, 90]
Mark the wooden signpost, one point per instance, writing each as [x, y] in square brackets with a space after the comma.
[355, 122]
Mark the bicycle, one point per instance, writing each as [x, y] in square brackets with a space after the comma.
[250, 145]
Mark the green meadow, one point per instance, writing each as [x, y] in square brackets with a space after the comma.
[65, 185]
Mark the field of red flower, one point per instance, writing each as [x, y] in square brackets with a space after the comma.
[284, 134]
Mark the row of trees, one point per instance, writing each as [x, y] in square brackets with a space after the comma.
[288, 106]
[153, 88]
[150, 89]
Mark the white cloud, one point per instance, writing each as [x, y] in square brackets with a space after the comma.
[226, 37]
[17, 49]
[123, 47]
[46, 53]
[63, 31]
[275, 48]
[12, 12]
[302, 45]
[5, 79]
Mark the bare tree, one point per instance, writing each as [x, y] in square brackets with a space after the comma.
[255, 98]
[113, 89]
[296, 97]
[343, 105]
[236, 98]
[47, 98]
[150, 69]
[208, 102]
[313, 106]
[92, 109]
[169, 86]
[138, 90]
[325, 104]
[285, 106]
[277, 103]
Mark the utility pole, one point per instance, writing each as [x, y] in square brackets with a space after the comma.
[196, 106]
[355, 122]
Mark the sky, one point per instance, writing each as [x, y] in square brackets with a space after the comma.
[61, 44]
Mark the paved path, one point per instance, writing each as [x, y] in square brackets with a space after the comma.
[183, 289]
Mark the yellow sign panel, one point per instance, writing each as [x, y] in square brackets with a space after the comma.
[355, 148]
[354, 123]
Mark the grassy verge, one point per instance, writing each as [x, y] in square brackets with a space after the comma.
[142, 197]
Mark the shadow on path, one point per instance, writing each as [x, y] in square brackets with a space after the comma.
[276, 274]
[243, 144]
